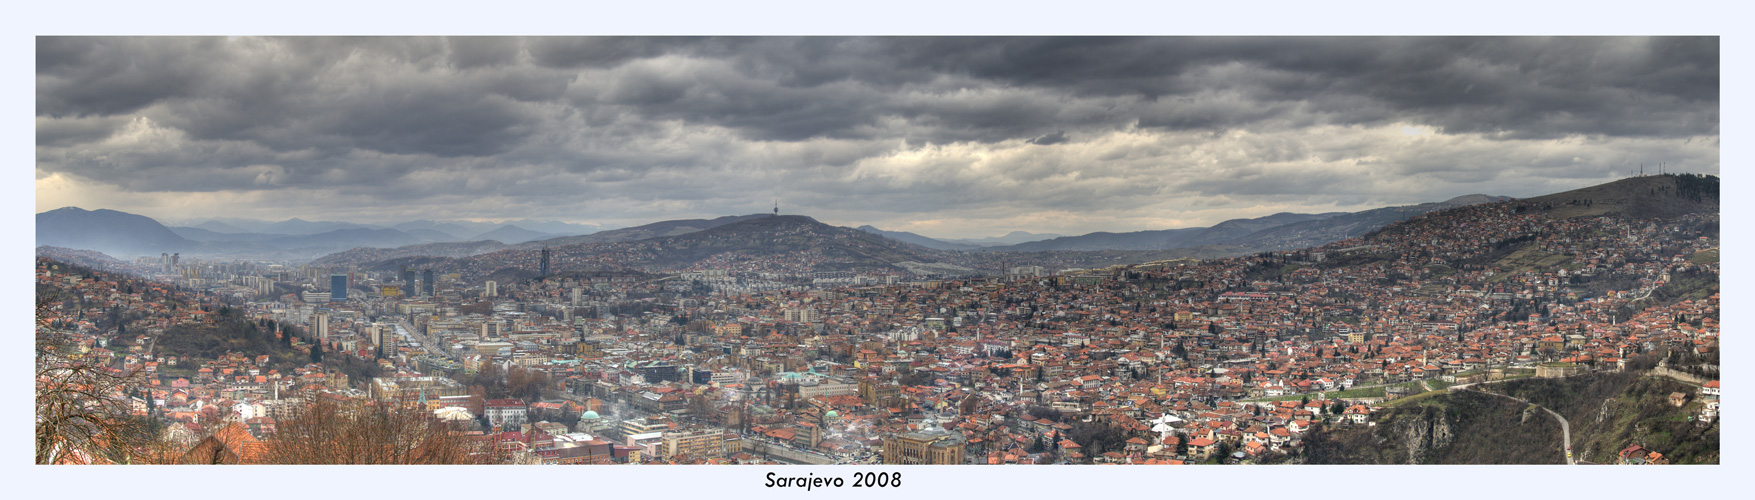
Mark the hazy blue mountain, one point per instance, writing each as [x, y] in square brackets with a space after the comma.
[205, 235]
[463, 230]
[228, 224]
[348, 238]
[1012, 238]
[300, 226]
[907, 237]
[220, 227]
[432, 235]
[556, 228]
[365, 255]
[1103, 240]
[512, 235]
[119, 234]
[459, 230]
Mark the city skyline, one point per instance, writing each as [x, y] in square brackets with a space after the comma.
[947, 137]
[942, 136]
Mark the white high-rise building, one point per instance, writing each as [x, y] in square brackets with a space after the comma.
[320, 322]
[801, 315]
[493, 290]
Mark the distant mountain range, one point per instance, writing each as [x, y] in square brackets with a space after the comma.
[454, 230]
[1279, 231]
[1015, 237]
[908, 237]
[1012, 238]
[128, 235]
[108, 231]
[511, 235]
[732, 238]
[220, 227]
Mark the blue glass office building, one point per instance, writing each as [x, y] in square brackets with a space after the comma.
[337, 287]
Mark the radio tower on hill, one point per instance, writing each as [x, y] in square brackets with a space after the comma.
[776, 207]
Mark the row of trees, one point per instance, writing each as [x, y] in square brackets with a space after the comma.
[492, 382]
[368, 433]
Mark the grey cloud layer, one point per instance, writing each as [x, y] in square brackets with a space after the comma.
[897, 125]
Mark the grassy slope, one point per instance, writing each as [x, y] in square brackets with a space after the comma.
[1484, 430]
[1636, 197]
[1609, 411]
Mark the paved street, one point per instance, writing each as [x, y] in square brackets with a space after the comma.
[1565, 428]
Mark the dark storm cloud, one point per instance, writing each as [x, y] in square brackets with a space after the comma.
[109, 76]
[72, 131]
[578, 52]
[905, 124]
[1524, 87]
[483, 52]
[1538, 87]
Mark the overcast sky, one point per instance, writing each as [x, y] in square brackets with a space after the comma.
[947, 137]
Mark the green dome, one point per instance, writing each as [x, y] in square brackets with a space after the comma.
[590, 415]
[832, 414]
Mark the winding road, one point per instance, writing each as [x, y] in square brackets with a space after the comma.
[1565, 428]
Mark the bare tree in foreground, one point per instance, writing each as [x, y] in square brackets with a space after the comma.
[84, 411]
[357, 432]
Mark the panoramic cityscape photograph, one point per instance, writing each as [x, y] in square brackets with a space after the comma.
[877, 251]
